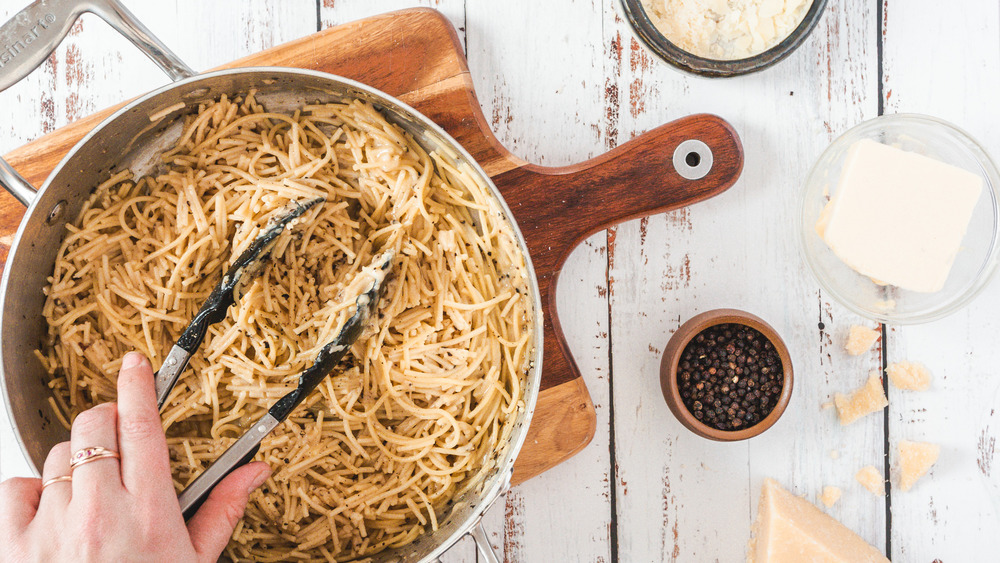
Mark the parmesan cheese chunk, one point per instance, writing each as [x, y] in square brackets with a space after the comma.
[830, 496]
[915, 459]
[871, 479]
[860, 340]
[886, 305]
[909, 375]
[790, 529]
[865, 400]
[726, 29]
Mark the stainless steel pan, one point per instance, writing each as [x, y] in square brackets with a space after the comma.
[129, 139]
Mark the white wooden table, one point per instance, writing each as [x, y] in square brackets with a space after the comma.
[563, 80]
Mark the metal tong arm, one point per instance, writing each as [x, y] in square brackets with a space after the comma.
[244, 449]
[239, 454]
[212, 311]
[246, 267]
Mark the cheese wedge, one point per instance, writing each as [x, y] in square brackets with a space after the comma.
[790, 529]
[915, 459]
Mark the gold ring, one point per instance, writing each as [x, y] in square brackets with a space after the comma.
[59, 479]
[87, 455]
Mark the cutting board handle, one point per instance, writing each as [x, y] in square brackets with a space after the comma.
[672, 166]
[638, 178]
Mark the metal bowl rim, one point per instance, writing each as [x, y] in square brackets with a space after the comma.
[660, 46]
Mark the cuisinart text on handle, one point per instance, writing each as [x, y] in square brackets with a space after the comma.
[10, 52]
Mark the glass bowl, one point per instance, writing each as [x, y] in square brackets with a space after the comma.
[977, 258]
[671, 54]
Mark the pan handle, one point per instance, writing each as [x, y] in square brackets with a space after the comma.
[28, 38]
[10, 180]
[34, 33]
[482, 540]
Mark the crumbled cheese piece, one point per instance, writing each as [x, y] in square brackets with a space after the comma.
[860, 340]
[726, 29]
[446, 238]
[909, 375]
[871, 479]
[830, 496]
[834, 454]
[826, 405]
[899, 217]
[886, 305]
[867, 399]
[790, 529]
[915, 459]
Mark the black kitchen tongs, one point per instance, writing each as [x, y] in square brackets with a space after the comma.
[243, 450]
[247, 266]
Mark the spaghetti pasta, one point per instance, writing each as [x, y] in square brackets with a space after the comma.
[372, 459]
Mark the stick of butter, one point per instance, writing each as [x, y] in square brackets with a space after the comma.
[898, 216]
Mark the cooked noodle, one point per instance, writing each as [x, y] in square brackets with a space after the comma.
[409, 421]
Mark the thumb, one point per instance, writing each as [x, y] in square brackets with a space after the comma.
[212, 526]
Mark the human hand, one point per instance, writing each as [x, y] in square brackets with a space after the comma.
[118, 511]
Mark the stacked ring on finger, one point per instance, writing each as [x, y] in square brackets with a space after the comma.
[56, 470]
[87, 455]
[59, 479]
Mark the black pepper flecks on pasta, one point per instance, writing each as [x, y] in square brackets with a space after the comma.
[730, 377]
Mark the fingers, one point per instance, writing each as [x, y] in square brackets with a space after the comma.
[96, 427]
[56, 496]
[145, 461]
[213, 524]
[18, 503]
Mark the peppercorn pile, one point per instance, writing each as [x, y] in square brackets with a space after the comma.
[730, 376]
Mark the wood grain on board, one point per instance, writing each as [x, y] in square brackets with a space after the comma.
[416, 55]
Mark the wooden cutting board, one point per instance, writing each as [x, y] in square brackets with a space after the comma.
[415, 55]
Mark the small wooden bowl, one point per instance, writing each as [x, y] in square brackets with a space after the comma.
[672, 355]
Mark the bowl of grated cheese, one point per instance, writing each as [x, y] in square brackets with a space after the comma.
[722, 38]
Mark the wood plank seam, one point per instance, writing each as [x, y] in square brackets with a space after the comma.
[880, 85]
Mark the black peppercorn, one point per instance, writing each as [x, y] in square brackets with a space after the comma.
[732, 376]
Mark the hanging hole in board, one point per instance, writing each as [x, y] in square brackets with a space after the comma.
[692, 159]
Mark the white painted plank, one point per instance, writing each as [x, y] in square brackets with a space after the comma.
[543, 109]
[679, 497]
[565, 513]
[96, 68]
[954, 513]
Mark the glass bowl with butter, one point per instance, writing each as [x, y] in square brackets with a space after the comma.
[900, 219]
[722, 38]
